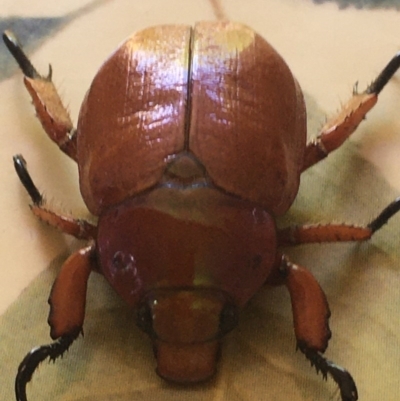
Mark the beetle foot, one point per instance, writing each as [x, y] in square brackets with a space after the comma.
[385, 215]
[347, 386]
[26, 180]
[37, 355]
[21, 58]
[383, 78]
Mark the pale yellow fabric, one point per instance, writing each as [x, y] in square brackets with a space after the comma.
[328, 50]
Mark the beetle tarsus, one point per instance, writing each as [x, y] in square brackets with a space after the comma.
[26, 180]
[21, 58]
[347, 386]
[383, 78]
[32, 360]
[385, 215]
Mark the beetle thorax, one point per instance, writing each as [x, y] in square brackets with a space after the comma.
[191, 236]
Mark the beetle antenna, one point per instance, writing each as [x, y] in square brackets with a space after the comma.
[21, 58]
[26, 180]
[383, 78]
[347, 386]
[32, 360]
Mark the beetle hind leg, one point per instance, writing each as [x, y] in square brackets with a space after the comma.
[383, 78]
[52, 114]
[342, 125]
[32, 360]
[310, 319]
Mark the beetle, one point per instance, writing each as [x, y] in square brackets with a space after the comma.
[189, 143]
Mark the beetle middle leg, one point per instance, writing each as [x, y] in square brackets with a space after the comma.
[77, 227]
[51, 112]
[341, 126]
[307, 234]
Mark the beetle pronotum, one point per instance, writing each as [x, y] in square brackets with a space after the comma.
[189, 143]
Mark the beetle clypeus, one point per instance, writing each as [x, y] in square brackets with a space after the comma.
[189, 142]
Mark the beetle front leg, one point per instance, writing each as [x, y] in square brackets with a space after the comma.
[310, 317]
[77, 227]
[51, 112]
[67, 311]
[32, 360]
[341, 126]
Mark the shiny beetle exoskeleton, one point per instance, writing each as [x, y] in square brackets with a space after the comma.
[190, 141]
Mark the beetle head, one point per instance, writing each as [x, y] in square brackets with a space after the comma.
[186, 326]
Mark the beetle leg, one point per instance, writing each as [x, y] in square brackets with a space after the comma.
[68, 295]
[341, 126]
[67, 311]
[49, 109]
[336, 232]
[310, 317]
[31, 361]
[77, 227]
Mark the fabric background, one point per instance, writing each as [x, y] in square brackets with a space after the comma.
[328, 49]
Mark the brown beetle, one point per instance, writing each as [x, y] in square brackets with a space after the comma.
[190, 142]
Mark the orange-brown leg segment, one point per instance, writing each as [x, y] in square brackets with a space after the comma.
[49, 109]
[77, 227]
[68, 295]
[341, 126]
[67, 311]
[310, 318]
[336, 232]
